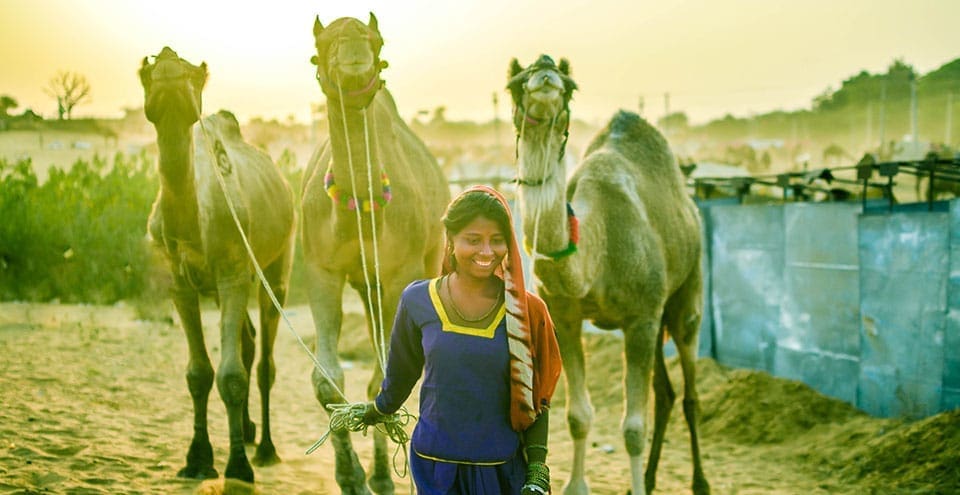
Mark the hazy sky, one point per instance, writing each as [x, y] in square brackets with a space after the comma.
[712, 56]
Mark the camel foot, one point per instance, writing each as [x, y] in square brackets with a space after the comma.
[354, 490]
[381, 485]
[700, 486]
[266, 455]
[250, 433]
[239, 468]
[349, 474]
[355, 486]
[199, 461]
[197, 472]
[649, 481]
[576, 487]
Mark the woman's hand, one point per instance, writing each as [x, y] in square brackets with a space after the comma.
[371, 415]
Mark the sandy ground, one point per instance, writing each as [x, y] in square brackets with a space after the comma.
[94, 401]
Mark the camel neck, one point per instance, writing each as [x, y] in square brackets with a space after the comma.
[543, 206]
[175, 148]
[351, 145]
[178, 194]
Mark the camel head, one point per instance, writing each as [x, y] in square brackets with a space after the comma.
[348, 60]
[172, 88]
[541, 92]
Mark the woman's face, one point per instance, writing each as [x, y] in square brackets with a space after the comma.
[479, 248]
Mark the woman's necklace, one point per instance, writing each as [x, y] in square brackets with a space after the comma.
[453, 304]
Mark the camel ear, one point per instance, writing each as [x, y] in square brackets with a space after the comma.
[372, 24]
[144, 72]
[202, 76]
[564, 66]
[515, 67]
[317, 27]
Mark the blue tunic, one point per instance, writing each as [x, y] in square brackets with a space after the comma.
[463, 441]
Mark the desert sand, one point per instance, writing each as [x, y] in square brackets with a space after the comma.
[94, 401]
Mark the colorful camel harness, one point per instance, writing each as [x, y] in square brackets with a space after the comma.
[350, 202]
[574, 225]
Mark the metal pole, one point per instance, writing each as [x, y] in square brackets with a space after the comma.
[914, 128]
[883, 117]
[666, 114]
[948, 133]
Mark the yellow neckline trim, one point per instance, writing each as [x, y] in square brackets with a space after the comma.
[449, 326]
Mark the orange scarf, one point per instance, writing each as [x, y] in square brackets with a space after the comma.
[534, 353]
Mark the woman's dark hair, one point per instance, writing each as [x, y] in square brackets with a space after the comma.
[467, 207]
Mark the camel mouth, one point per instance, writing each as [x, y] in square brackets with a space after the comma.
[546, 95]
[539, 109]
[357, 69]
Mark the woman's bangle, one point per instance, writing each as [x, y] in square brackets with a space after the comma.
[536, 446]
[538, 474]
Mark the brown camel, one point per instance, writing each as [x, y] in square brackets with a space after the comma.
[635, 265]
[192, 224]
[373, 165]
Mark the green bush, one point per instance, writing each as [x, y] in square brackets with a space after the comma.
[79, 236]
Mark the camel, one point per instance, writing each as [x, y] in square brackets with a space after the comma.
[618, 243]
[193, 226]
[373, 166]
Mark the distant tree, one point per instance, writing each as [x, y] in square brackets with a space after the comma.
[7, 103]
[439, 115]
[69, 89]
[676, 122]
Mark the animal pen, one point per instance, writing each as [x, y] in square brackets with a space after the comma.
[858, 298]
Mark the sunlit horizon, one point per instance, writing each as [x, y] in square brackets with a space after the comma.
[712, 58]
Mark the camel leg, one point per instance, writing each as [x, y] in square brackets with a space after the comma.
[199, 382]
[248, 349]
[639, 340]
[684, 317]
[277, 275]
[380, 480]
[233, 381]
[326, 300]
[569, 323]
[664, 397]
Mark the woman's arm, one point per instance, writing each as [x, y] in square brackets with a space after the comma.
[404, 363]
[535, 449]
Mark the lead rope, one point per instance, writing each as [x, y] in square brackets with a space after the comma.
[376, 251]
[342, 416]
[359, 215]
[540, 197]
[263, 279]
[394, 424]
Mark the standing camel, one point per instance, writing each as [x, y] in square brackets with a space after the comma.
[618, 244]
[373, 165]
[193, 226]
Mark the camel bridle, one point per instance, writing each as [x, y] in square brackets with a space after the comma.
[520, 120]
[358, 98]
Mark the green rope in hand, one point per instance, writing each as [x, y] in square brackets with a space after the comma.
[349, 417]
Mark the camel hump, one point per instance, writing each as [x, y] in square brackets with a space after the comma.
[627, 123]
[226, 124]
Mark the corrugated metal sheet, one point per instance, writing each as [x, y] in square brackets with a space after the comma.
[746, 265]
[904, 260]
[951, 341]
[818, 339]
